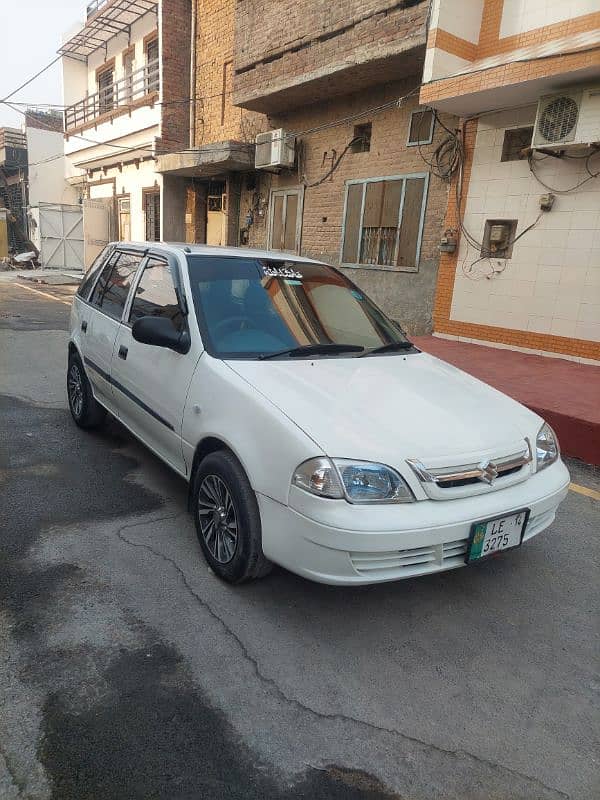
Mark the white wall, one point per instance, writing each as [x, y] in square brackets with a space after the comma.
[47, 168]
[131, 181]
[519, 16]
[552, 282]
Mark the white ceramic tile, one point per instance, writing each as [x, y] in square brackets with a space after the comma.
[584, 220]
[569, 275]
[549, 274]
[566, 309]
[552, 257]
[589, 312]
[540, 306]
[588, 330]
[581, 239]
[546, 289]
[539, 324]
[563, 327]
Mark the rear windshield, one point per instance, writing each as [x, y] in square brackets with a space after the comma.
[250, 307]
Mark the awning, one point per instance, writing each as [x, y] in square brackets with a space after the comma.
[208, 160]
[111, 18]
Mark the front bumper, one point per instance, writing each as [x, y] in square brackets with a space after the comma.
[331, 541]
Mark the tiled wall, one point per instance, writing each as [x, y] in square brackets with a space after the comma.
[551, 285]
[519, 16]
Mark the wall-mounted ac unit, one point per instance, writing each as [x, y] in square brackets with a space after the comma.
[275, 150]
[567, 119]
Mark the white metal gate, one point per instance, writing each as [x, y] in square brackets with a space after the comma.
[98, 223]
[61, 236]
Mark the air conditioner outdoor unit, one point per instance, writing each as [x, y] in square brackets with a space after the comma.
[568, 119]
[275, 150]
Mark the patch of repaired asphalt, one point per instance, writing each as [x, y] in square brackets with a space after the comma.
[155, 736]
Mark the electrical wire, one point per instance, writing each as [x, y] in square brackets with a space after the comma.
[591, 175]
[30, 80]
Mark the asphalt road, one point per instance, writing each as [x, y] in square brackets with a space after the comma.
[128, 671]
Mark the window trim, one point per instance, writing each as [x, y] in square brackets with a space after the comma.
[385, 267]
[431, 130]
[298, 190]
[173, 262]
[132, 250]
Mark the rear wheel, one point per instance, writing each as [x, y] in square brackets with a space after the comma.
[85, 410]
[228, 520]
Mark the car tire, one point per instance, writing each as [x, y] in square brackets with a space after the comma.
[228, 519]
[85, 409]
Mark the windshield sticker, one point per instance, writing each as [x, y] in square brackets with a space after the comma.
[281, 272]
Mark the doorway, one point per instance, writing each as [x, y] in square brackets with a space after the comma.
[216, 214]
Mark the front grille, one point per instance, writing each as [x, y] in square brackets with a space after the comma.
[445, 482]
[452, 483]
[411, 560]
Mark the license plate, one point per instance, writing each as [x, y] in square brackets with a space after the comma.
[495, 535]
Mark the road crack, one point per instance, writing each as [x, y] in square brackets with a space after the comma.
[280, 694]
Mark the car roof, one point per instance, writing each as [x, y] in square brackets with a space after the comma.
[213, 250]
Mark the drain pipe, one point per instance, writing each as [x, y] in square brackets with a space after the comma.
[193, 75]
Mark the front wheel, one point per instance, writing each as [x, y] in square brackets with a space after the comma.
[85, 410]
[228, 520]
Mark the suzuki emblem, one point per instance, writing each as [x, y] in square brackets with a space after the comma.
[489, 472]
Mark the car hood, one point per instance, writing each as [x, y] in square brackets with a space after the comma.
[387, 408]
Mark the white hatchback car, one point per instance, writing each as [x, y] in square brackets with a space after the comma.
[313, 434]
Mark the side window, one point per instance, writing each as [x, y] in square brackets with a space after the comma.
[112, 289]
[92, 274]
[155, 295]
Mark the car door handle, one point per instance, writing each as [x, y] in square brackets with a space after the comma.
[84, 325]
[123, 352]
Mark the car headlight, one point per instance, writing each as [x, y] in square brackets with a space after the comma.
[546, 447]
[356, 481]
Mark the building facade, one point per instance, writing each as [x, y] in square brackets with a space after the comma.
[361, 193]
[125, 104]
[521, 74]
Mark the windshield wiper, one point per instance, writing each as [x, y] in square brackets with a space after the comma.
[390, 347]
[314, 350]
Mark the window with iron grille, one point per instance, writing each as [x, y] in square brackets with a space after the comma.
[420, 129]
[105, 90]
[383, 222]
[152, 215]
[152, 66]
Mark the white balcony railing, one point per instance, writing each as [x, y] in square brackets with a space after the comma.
[94, 6]
[118, 95]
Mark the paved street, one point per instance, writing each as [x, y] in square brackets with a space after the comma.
[127, 670]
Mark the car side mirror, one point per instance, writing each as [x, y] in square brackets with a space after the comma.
[159, 331]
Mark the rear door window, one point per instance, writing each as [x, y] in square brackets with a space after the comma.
[114, 284]
[93, 272]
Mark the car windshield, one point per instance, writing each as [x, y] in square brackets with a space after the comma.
[257, 308]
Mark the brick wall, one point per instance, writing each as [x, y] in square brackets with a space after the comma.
[406, 295]
[174, 31]
[217, 119]
[280, 43]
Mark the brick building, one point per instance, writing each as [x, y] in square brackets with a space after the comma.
[361, 193]
[521, 74]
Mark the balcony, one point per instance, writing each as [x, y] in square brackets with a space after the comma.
[105, 19]
[325, 48]
[131, 91]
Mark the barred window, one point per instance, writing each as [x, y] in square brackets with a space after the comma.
[152, 215]
[383, 222]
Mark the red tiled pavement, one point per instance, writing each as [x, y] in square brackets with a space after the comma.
[565, 393]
